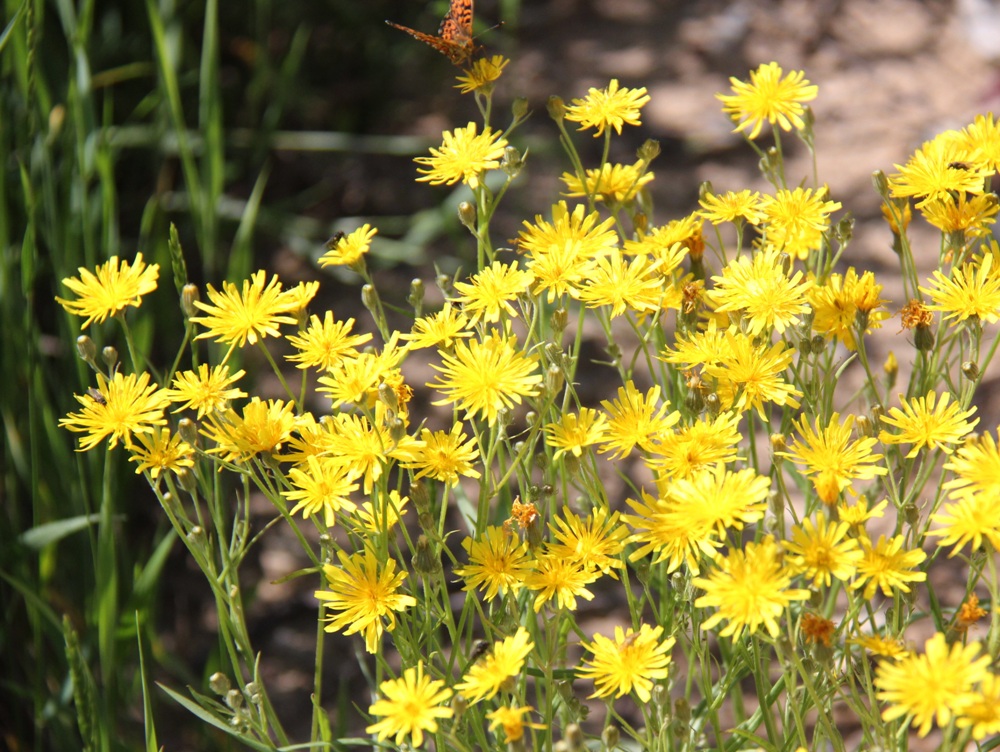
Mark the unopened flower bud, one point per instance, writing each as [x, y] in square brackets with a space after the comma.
[610, 737]
[186, 480]
[467, 215]
[911, 514]
[784, 262]
[778, 443]
[970, 370]
[87, 350]
[387, 396]
[864, 426]
[189, 296]
[421, 496]
[573, 737]
[219, 683]
[559, 321]
[817, 344]
[923, 338]
[519, 108]
[369, 298]
[397, 429]
[512, 162]
[110, 357]
[459, 705]
[188, 431]
[556, 108]
[416, 296]
[649, 150]
[682, 710]
[554, 380]
[712, 403]
[641, 222]
[234, 699]
[843, 231]
[426, 559]
[445, 284]
[881, 183]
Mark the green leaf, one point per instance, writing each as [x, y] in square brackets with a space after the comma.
[41, 536]
[209, 718]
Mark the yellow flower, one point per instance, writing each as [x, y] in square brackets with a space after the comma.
[498, 562]
[410, 705]
[936, 170]
[261, 428]
[933, 686]
[237, 317]
[486, 376]
[614, 184]
[596, 542]
[325, 343]
[513, 725]
[928, 422]
[817, 630]
[366, 448]
[750, 375]
[125, 407]
[719, 498]
[464, 156]
[675, 538]
[608, 108]
[794, 221]
[982, 140]
[630, 662]
[972, 216]
[482, 74]
[970, 519]
[490, 292]
[497, 669]
[381, 514]
[856, 515]
[348, 250]
[732, 206]
[439, 329]
[976, 465]
[564, 580]
[758, 289]
[635, 420]
[621, 283]
[363, 592]
[972, 292]
[205, 390]
[768, 97]
[837, 302]
[161, 450]
[982, 711]
[444, 457]
[322, 485]
[706, 442]
[750, 589]
[888, 566]
[831, 459]
[575, 431]
[822, 551]
[116, 286]
[882, 647]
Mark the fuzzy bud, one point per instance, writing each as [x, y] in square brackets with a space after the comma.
[519, 108]
[556, 108]
[610, 737]
[559, 321]
[110, 357]
[554, 380]
[234, 699]
[649, 150]
[467, 215]
[923, 338]
[970, 370]
[189, 296]
[369, 298]
[512, 162]
[416, 296]
[573, 737]
[421, 496]
[881, 183]
[426, 560]
[87, 350]
[219, 683]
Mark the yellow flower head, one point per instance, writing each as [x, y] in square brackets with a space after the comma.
[576, 431]
[972, 291]
[939, 168]
[238, 316]
[348, 250]
[768, 97]
[732, 206]
[930, 421]
[608, 108]
[323, 344]
[509, 718]
[115, 286]
[630, 662]
[161, 450]
[410, 706]
[262, 427]
[205, 390]
[498, 562]
[443, 456]
[482, 74]
[321, 485]
[614, 184]
[124, 407]
[822, 551]
[363, 593]
[750, 589]
[935, 685]
[498, 668]
[888, 566]
[464, 156]
[795, 220]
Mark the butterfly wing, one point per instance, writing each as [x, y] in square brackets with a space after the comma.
[455, 35]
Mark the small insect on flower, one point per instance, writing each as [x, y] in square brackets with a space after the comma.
[454, 37]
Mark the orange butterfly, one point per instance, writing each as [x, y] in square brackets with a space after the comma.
[454, 38]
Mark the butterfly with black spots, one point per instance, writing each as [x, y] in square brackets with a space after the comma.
[454, 38]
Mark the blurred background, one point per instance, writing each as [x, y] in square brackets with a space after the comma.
[260, 129]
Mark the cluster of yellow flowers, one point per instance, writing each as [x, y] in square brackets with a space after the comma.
[718, 338]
